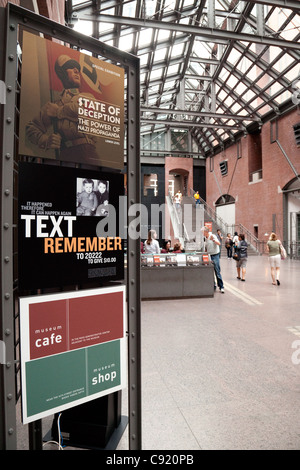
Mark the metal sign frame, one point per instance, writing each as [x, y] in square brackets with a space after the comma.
[12, 20]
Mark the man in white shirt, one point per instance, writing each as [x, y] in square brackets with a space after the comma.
[212, 245]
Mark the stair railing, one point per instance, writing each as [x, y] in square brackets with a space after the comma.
[257, 245]
[178, 226]
[295, 250]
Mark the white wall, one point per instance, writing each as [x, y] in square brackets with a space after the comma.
[227, 213]
[293, 208]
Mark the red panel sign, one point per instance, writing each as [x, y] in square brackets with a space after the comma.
[93, 322]
[57, 326]
[47, 322]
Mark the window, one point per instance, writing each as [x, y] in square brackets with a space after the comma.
[171, 187]
[239, 149]
[179, 140]
[224, 168]
[274, 130]
[150, 183]
[153, 141]
[297, 133]
[255, 158]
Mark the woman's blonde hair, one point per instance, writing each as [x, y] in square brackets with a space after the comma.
[177, 246]
[273, 236]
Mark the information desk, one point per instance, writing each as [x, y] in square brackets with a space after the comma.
[176, 276]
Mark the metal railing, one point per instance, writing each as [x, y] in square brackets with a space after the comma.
[178, 226]
[257, 245]
[294, 250]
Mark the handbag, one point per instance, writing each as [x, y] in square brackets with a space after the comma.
[236, 257]
[283, 252]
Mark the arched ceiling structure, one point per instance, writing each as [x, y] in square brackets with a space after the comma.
[210, 70]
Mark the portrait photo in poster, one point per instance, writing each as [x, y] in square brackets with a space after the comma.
[72, 105]
[68, 226]
[92, 197]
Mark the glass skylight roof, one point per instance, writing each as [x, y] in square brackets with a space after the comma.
[206, 58]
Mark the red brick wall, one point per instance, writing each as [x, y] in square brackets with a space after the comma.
[53, 9]
[182, 166]
[257, 202]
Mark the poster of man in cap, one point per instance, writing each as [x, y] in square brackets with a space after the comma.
[72, 105]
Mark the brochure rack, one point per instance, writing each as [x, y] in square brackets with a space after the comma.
[176, 275]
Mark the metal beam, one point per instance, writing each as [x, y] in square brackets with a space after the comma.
[290, 4]
[187, 124]
[288, 159]
[8, 60]
[173, 153]
[198, 114]
[179, 60]
[207, 34]
[133, 261]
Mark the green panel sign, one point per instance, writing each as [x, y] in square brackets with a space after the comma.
[55, 380]
[103, 367]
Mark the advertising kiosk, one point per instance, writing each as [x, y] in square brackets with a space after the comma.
[63, 134]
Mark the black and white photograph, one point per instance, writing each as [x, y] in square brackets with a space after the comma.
[92, 197]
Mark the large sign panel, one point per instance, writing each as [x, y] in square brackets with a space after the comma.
[68, 226]
[72, 105]
[73, 349]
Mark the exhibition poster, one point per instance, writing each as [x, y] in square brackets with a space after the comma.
[72, 105]
[68, 226]
[73, 349]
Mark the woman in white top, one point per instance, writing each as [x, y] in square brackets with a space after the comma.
[151, 244]
[273, 249]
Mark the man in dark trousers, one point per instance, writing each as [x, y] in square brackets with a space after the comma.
[212, 245]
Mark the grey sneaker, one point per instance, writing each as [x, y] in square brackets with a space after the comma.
[222, 291]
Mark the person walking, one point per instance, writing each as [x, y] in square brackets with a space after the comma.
[213, 249]
[235, 241]
[228, 245]
[197, 198]
[243, 255]
[274, 251]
